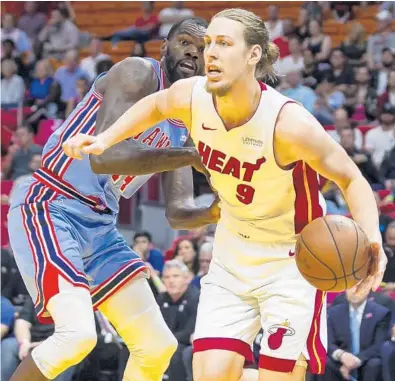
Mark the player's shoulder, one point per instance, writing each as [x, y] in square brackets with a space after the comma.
[294, 121]
[180, 92]
[135, 73]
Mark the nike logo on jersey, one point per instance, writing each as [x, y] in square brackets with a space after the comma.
[291, 253]
[208, 128]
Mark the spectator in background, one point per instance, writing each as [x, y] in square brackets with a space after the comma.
[88, 64]
[12, 85]
[356, 332]
[341, 122]
[384, 38]
[273, 24]
[381, 139]
[172, 15]
[138, 50]
[282, 41]
[312, 77]
[9, 52]
[67, 9]
[361, 158]
[340, 71]
[382, 75]
[314, 10]
[33, 165]
[389, 245]
[68, 75]
[146, 27]
[142, 244]
[179, 309]
[319, 43]
[104, 66]
[364, 101]
[388, 355]
[32, 21]
[384, 219]
[12, 286]
[205, 257]
[82, 85]
[295, 90]
[24, 154]
[28, 334]
[302, 29]
[342, 11]
[387, 168]
[10, 32]
[186, 251]
[294, 61]
[44, 92]
[389, 95]
[7, 317]
[355, 44]
[330, 100]
[59, 35]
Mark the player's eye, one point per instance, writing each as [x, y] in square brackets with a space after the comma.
[201, 49]
[223, 43]
[184, 42]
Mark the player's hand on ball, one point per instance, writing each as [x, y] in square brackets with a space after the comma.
[374, 276]
[81, 144]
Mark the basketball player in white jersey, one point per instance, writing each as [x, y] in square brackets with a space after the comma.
[262, 151]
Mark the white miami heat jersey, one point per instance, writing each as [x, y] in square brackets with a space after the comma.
[259, 200]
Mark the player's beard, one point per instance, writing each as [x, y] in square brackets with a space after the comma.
[219, 91]
[171, 68]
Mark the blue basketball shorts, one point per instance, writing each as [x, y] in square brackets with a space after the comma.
[61, 242]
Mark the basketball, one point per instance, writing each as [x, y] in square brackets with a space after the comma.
[333, 253]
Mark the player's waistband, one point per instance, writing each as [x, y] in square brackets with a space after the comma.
[60, 186]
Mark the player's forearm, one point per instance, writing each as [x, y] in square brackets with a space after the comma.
[140, 117]
[363, 207]
[129, 160]
[185, 217]
[22, 331]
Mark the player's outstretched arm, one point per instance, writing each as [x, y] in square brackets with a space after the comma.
[299, 136]
[125, 85]
[181, 210]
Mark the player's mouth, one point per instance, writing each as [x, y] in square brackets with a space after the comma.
[188, 67]
[213, 72]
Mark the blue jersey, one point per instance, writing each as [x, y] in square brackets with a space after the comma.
[72, 178]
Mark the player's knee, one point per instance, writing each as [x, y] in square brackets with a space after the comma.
[207, 368]
[163, 351]
[76, 343]
[216, 373]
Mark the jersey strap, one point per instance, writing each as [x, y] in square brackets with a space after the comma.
[60, 186]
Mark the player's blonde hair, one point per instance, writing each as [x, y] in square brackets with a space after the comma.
[255, 33]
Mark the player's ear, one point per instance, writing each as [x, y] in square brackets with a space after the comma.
[255, 55]
[163, 48]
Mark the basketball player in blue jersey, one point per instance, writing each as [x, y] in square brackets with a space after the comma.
[62, 221]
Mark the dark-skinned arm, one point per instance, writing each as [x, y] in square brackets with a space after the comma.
[181, 211]
[124, 85]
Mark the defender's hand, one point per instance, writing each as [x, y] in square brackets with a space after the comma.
[81, 144]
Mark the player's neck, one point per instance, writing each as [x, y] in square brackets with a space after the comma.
[239, 106]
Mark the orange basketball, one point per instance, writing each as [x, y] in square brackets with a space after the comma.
[333, 253]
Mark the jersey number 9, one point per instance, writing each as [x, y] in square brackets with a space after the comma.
[245, 193]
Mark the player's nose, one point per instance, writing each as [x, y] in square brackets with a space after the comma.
[192, 52]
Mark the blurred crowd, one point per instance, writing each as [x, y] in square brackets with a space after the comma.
[349, 88]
